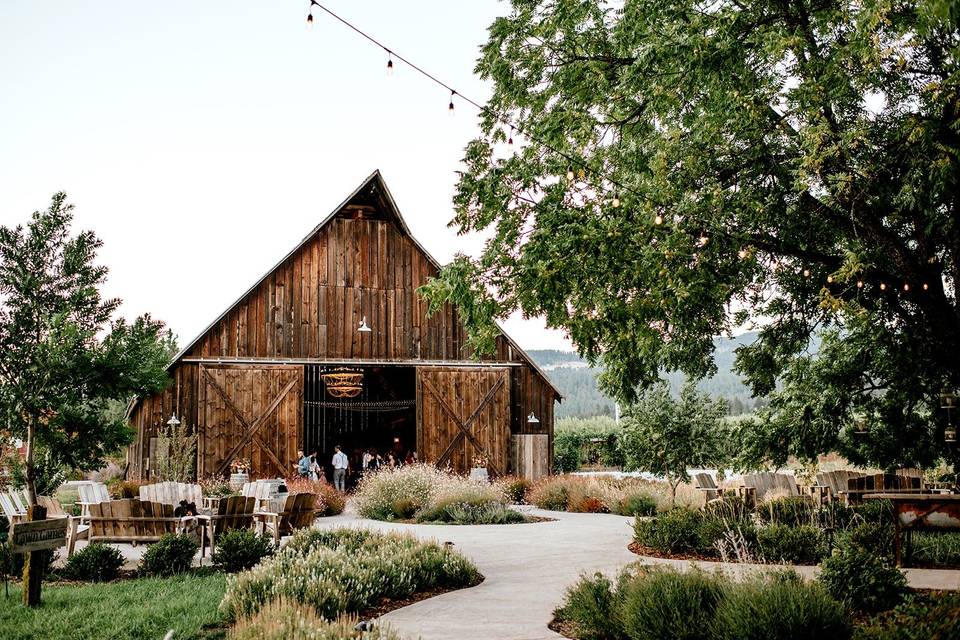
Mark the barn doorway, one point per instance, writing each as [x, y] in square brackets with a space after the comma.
[380, 418]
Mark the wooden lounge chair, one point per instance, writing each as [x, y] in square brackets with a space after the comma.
[171, 493]
[233, 512]
[704, 482]
[829, 485]
[14, 508]
[755, 487]
[880, 483]
[133, 521]
[298, 512]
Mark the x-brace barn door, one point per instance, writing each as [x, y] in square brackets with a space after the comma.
[463, 413]
[252, 412]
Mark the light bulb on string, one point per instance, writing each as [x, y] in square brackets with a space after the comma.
[389, 64]
[310, 17]
[806, 273]
[510, 137]
[703, 240]
[450, 107]
[829, 279]
[658, 220]
[570, 174]
[742, 254]
[906, 286]
[925, 286]
[615, 202]
[883, 286]
[859, 284]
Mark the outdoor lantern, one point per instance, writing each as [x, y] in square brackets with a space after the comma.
[173, 422]
[532, 418]
[860, 424]
[948, 400]
[363, 328]
[950, 434]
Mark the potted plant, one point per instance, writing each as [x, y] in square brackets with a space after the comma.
[479, 470]
[239, 473]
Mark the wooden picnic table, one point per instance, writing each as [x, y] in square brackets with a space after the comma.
[930, 511]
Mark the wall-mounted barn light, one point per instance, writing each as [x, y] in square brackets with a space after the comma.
[532, 418]
[363, 326]
[173, 422]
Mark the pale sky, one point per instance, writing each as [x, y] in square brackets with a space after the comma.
[202, 140]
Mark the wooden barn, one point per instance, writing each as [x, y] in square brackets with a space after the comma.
[334, 346]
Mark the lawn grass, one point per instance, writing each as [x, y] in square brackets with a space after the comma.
[142, 608]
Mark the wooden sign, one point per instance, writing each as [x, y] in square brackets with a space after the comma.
[38, 535]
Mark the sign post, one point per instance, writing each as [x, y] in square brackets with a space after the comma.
[31, 538]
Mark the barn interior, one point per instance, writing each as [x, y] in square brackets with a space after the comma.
[379, 415]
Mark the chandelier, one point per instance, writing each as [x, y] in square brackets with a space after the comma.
[343, 382]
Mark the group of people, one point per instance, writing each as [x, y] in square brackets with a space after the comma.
[367, 460]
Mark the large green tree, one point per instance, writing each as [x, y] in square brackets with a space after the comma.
[63, 355]
[684, 168]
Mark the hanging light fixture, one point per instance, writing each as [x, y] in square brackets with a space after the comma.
[389, 63]
[860, 423]
[343, 382]
[450, 107]
[950, 434]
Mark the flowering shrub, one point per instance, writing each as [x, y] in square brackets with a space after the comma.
[330, 502]
[125, 489]
[216, 486]
[346, 571]
[596, 494]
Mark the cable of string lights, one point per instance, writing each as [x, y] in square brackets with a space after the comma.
[581, 167]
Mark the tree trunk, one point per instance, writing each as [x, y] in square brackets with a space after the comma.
[33, 562]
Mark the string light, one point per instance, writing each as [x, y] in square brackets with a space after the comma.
[703, 240]
[906, 286]
[310, 17]
[389, 64]
[615, 202]
[658, 220]
[570, 174]
[883, 286]
[925, 286]
[510, 138]
[829, 279]
[859, 284]
[450, 108]
[742, 254]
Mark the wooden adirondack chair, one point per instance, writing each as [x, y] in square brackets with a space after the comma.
[233, 512]
[298, 512]
[756, 486]
[171, 493]
[133, 521]
[13, 508]
[704, 482]
[829, 485]
[90, 493]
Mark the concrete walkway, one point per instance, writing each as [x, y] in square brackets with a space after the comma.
[528, 567]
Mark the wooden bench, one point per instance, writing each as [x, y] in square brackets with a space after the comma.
[298, 512]
[704, 482]
[133, 521]
[887, 483]
[171, 493]
[233, 512]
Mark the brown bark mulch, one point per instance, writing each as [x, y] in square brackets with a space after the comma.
[641, 550]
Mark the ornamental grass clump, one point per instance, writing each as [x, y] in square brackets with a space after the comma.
[346, 571]
[283, 620]
[598, 494]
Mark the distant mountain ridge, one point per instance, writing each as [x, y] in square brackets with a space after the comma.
[577, 381]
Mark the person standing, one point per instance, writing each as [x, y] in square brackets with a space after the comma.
[340, 466]
[303, 465]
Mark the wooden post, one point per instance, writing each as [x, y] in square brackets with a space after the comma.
[33, 563]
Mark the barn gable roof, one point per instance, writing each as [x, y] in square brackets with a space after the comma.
[372, 191]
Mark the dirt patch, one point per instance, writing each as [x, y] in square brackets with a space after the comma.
[641, 550]
[566, 628]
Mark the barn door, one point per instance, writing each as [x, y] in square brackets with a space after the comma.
[462, 413]
[252, 412]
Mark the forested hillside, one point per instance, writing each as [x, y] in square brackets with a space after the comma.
[578, 382]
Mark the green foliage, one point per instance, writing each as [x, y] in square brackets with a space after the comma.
[920, 618]
[777, 607]
[862, 580]
[935, 549]
[346, 571]
[590, 605]
[96, 562]
[241, 549]
[63, 355]
[788, 510]
[282, 620]
[872, 537]
[637, 504]
[662, 604]
[766, 160]
[170, 555]
[142, 608]
[467, 512]
[11, 564]
[798, 544]
[176, 453]
[667, 436]
[677, 531]
[579, 441]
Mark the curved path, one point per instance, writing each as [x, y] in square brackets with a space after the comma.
[528, 568]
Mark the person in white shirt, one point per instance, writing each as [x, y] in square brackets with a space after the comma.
[340, 466]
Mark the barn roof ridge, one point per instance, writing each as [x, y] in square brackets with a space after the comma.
[375, 178]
